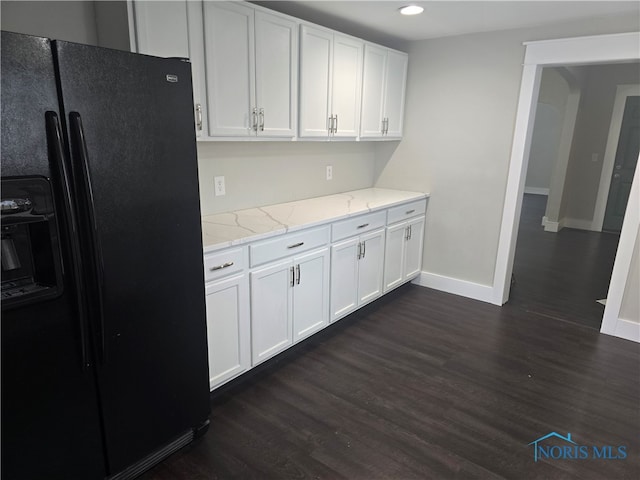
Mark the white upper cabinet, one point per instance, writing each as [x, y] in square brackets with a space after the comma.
[173, 29]
[383, 92]
[330, 84]
[251, 67]
[276, 74]
[259, 74]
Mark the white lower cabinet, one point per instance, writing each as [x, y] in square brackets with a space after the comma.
[299, 282]
[356, 272]
[271, 328]
[228, 322]
[289, 301]
[403, 252]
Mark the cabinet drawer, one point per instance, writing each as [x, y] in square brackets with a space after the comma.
[408, 210]
[357, 225]
[223, 263]
[286, 245]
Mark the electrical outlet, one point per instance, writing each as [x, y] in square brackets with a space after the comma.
[329, 172]
[219, 186]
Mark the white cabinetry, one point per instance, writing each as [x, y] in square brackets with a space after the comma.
[289, 297]
[405, 238]
[356, 263]
[228, 327]
[383, 92]
[330, 83]
[251, 67]
[173, 29]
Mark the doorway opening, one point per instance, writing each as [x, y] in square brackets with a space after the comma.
[563, 263]
[595, 50]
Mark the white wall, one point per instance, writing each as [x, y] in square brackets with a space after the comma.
[461, 104]
[554, 92]
[590, 138]
[263, 173]
[73, 20]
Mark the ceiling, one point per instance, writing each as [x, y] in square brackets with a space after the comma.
[447, 18]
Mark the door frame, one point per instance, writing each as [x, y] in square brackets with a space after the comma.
[600, 49]
[622, 92]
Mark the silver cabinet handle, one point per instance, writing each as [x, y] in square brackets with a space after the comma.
[330, 124]
[359, 250]
[293, 276]
[261, 115]
[298, 274]
[199, 116]
[406, 233]
[220, 267]
[254, 119]
[409, 212]
[335, 128]
[296, 245]
[363, 225]
[364, 249]
[410, 232]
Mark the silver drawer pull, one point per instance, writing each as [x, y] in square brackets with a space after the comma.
[295, 245]
[220, 267]
[363, 225]
[410, 211]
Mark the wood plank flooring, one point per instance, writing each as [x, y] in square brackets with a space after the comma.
[423, 384]
[561, 275]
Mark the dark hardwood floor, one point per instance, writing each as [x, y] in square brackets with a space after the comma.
[422, 384]
[561, 275]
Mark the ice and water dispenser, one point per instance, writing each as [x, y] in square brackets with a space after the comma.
[31, 264]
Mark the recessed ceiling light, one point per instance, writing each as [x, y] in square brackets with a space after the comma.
[411, 10]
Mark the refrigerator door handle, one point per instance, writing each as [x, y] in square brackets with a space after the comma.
[55, 136]
[83, 176]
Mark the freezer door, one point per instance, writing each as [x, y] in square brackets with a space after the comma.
[50, 418]
[131, 131]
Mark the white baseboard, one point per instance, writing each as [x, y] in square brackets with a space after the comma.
[476, 291]
[577, 223]
[627, 329]
[551, 226]
[536, 190]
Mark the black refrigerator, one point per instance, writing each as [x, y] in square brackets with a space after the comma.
[104, 355]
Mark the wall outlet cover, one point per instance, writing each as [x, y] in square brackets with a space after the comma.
[219, 186]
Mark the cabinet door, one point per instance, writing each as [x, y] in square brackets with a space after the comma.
[162, 28]
[311, 293]
[196, 55]
[394, 255]
[229, 49]
[396, 81]
[276, 74]
[271, 308]
[315, 75]
[371, 266]
[373, 91]
[228, 329]
[414, 246]
[344, 278]
[346, 85]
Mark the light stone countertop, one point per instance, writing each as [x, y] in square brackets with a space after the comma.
[242, 226]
